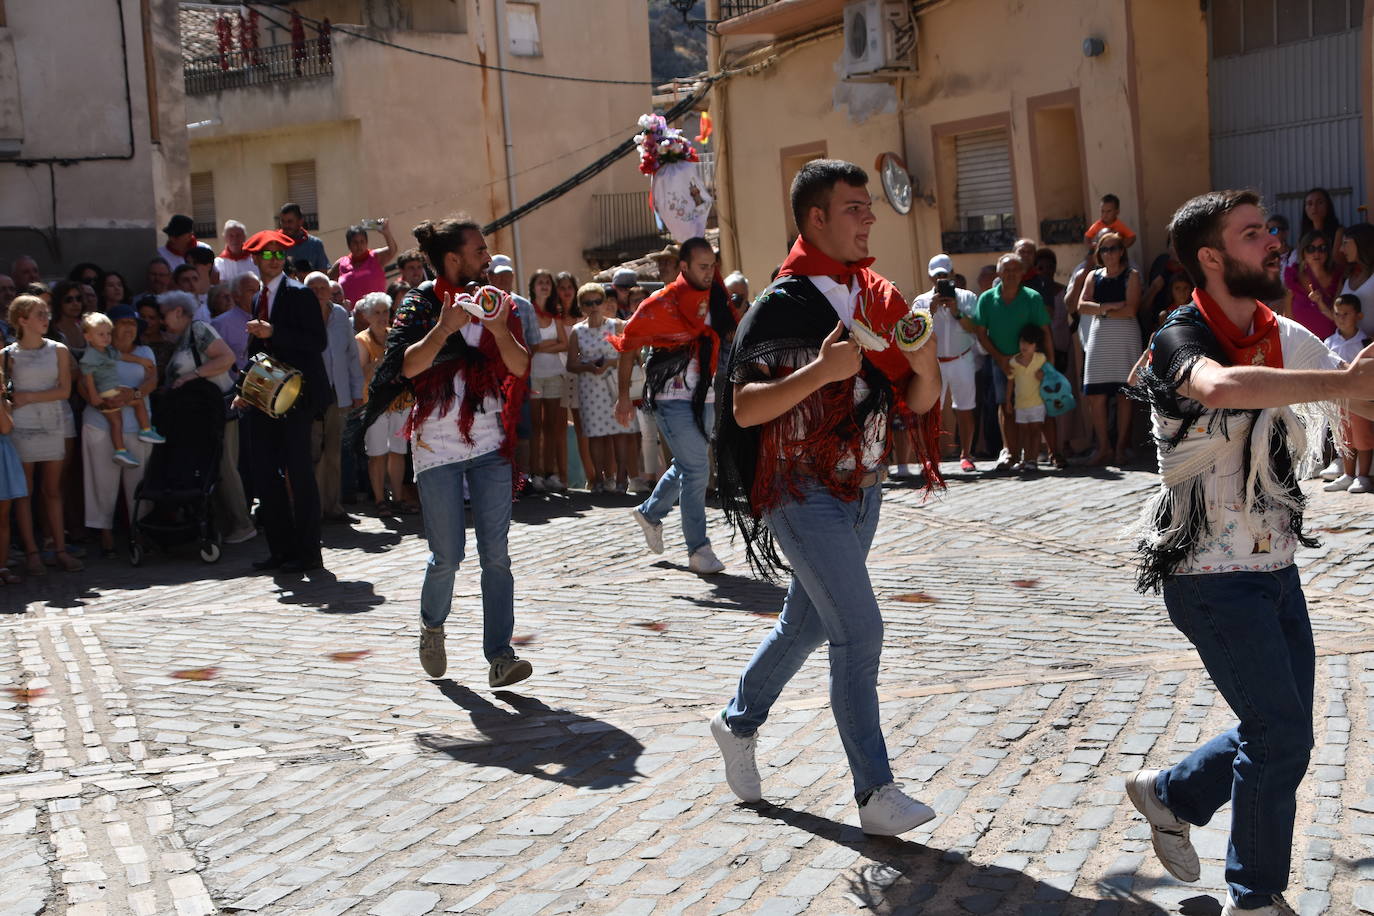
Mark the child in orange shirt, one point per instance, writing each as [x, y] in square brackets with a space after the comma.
[1111, 219]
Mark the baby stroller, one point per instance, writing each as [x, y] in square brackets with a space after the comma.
[172, 504]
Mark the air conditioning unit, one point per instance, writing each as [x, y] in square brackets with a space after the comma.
[879, 39]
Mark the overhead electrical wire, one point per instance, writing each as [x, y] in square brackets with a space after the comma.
[363, 36]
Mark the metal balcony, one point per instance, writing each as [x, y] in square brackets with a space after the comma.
[273, 64]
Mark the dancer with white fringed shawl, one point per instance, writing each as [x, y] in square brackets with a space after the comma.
[1237, 396]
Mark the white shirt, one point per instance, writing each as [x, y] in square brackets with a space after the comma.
[175, 260]
[438, 442]
[230, 270]
[270, 291]
[1229, 547]
[1346, 348]
[844, 300]
[951, 340]
[681, 386]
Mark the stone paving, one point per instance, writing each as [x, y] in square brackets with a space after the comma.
[186, 739]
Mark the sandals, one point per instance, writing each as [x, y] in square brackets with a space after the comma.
[406, 508]
[384, 508]
[8, 578]
[33, 564]
[69, 562]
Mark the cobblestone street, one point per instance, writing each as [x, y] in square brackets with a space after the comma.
[173, 744]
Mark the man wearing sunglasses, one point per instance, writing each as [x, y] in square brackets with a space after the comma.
[1278, 228]
[286, 325]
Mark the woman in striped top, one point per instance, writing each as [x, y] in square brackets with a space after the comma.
[1112, 295]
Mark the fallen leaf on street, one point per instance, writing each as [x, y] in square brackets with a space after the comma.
[195, 674]
[1025, 583]
[657, 626]
[26, 694]
[352, 655]
[523, 639]
[917, 598]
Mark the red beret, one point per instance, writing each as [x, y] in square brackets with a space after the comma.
[260, 240]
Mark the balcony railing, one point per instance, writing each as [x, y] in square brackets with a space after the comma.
[998, 234]
[1062, 231]
[625, 228]
[205, 230]
[732, 8]
[258, 67]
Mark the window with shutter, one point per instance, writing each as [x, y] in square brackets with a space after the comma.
[983, 188]
[300, 189]
[203, 205]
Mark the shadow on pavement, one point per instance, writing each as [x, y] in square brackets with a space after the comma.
[529, 737]
[730, 592]
[899, 876]
[321, 590]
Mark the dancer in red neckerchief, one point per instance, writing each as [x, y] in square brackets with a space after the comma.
[468, 380]
[1236, 395]
[800, 455]
[683, 324]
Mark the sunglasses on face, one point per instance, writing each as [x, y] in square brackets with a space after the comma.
[1106, 248]
[1317, 249]
[272, 255]
[593, 301]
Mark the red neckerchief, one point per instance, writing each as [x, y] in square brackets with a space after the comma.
[230, 256]
[880, 305]
[671, 317]
[446, 291]
[1261, 347]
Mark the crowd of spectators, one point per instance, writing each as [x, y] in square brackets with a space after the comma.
[1034, 370]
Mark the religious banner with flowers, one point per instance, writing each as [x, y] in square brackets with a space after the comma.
[676, 189]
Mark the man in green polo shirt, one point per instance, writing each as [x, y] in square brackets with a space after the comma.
[998, 318]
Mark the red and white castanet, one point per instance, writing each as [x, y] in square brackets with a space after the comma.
[483, 303]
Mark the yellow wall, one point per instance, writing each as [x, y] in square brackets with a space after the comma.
[412, 138]
[990, 59]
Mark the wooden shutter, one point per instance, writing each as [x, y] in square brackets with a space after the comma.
[983, 195]
[203, 205]
[300, 189]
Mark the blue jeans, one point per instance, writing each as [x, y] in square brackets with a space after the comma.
[830, 599]
[1252, 632]
[685, 481]
[441, 493]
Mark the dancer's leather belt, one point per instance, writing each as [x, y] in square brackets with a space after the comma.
[868, 479]
[950, 359]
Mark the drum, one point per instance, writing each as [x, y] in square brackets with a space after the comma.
[270, 385]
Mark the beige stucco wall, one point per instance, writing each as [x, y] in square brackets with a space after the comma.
[986, 59]
[64, 97]
[399, 135]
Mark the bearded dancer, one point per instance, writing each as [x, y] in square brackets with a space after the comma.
[800, 458]
[1230, 387]
[683, 324]
[468, 380]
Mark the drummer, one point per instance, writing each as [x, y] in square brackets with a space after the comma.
[286, 327]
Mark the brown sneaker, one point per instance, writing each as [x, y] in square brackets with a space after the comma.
[508, 669]
[433, 658]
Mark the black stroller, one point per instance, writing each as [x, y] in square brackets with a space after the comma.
[179, 481]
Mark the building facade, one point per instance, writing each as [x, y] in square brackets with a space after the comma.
[92, 136]
[370, 121]
[1014, 118]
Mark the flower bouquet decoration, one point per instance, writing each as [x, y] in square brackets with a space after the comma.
[676, 191]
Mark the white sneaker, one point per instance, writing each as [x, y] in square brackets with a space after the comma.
[741, 770]
[1333, 470]
[653, 533]
[537, 484]
[1168, 833]
[1278, 908]
[1340, 484]
[1004, 460]
[704, 562]
[889, 811]
[1362, 485]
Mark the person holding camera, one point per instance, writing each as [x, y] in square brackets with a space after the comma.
[956, 338]
[363, 269]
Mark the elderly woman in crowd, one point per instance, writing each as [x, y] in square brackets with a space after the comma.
[197, 351]
[220, 299]
[383, 443]
[346, 378]
[40, 371]
[101, 476]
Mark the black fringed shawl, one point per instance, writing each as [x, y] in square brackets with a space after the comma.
[1175, 524]
[484, 373]
[760, 466]
[667, 363]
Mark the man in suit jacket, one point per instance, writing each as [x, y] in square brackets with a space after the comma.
[287, 326]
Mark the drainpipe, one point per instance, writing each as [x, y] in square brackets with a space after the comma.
[500, 9]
